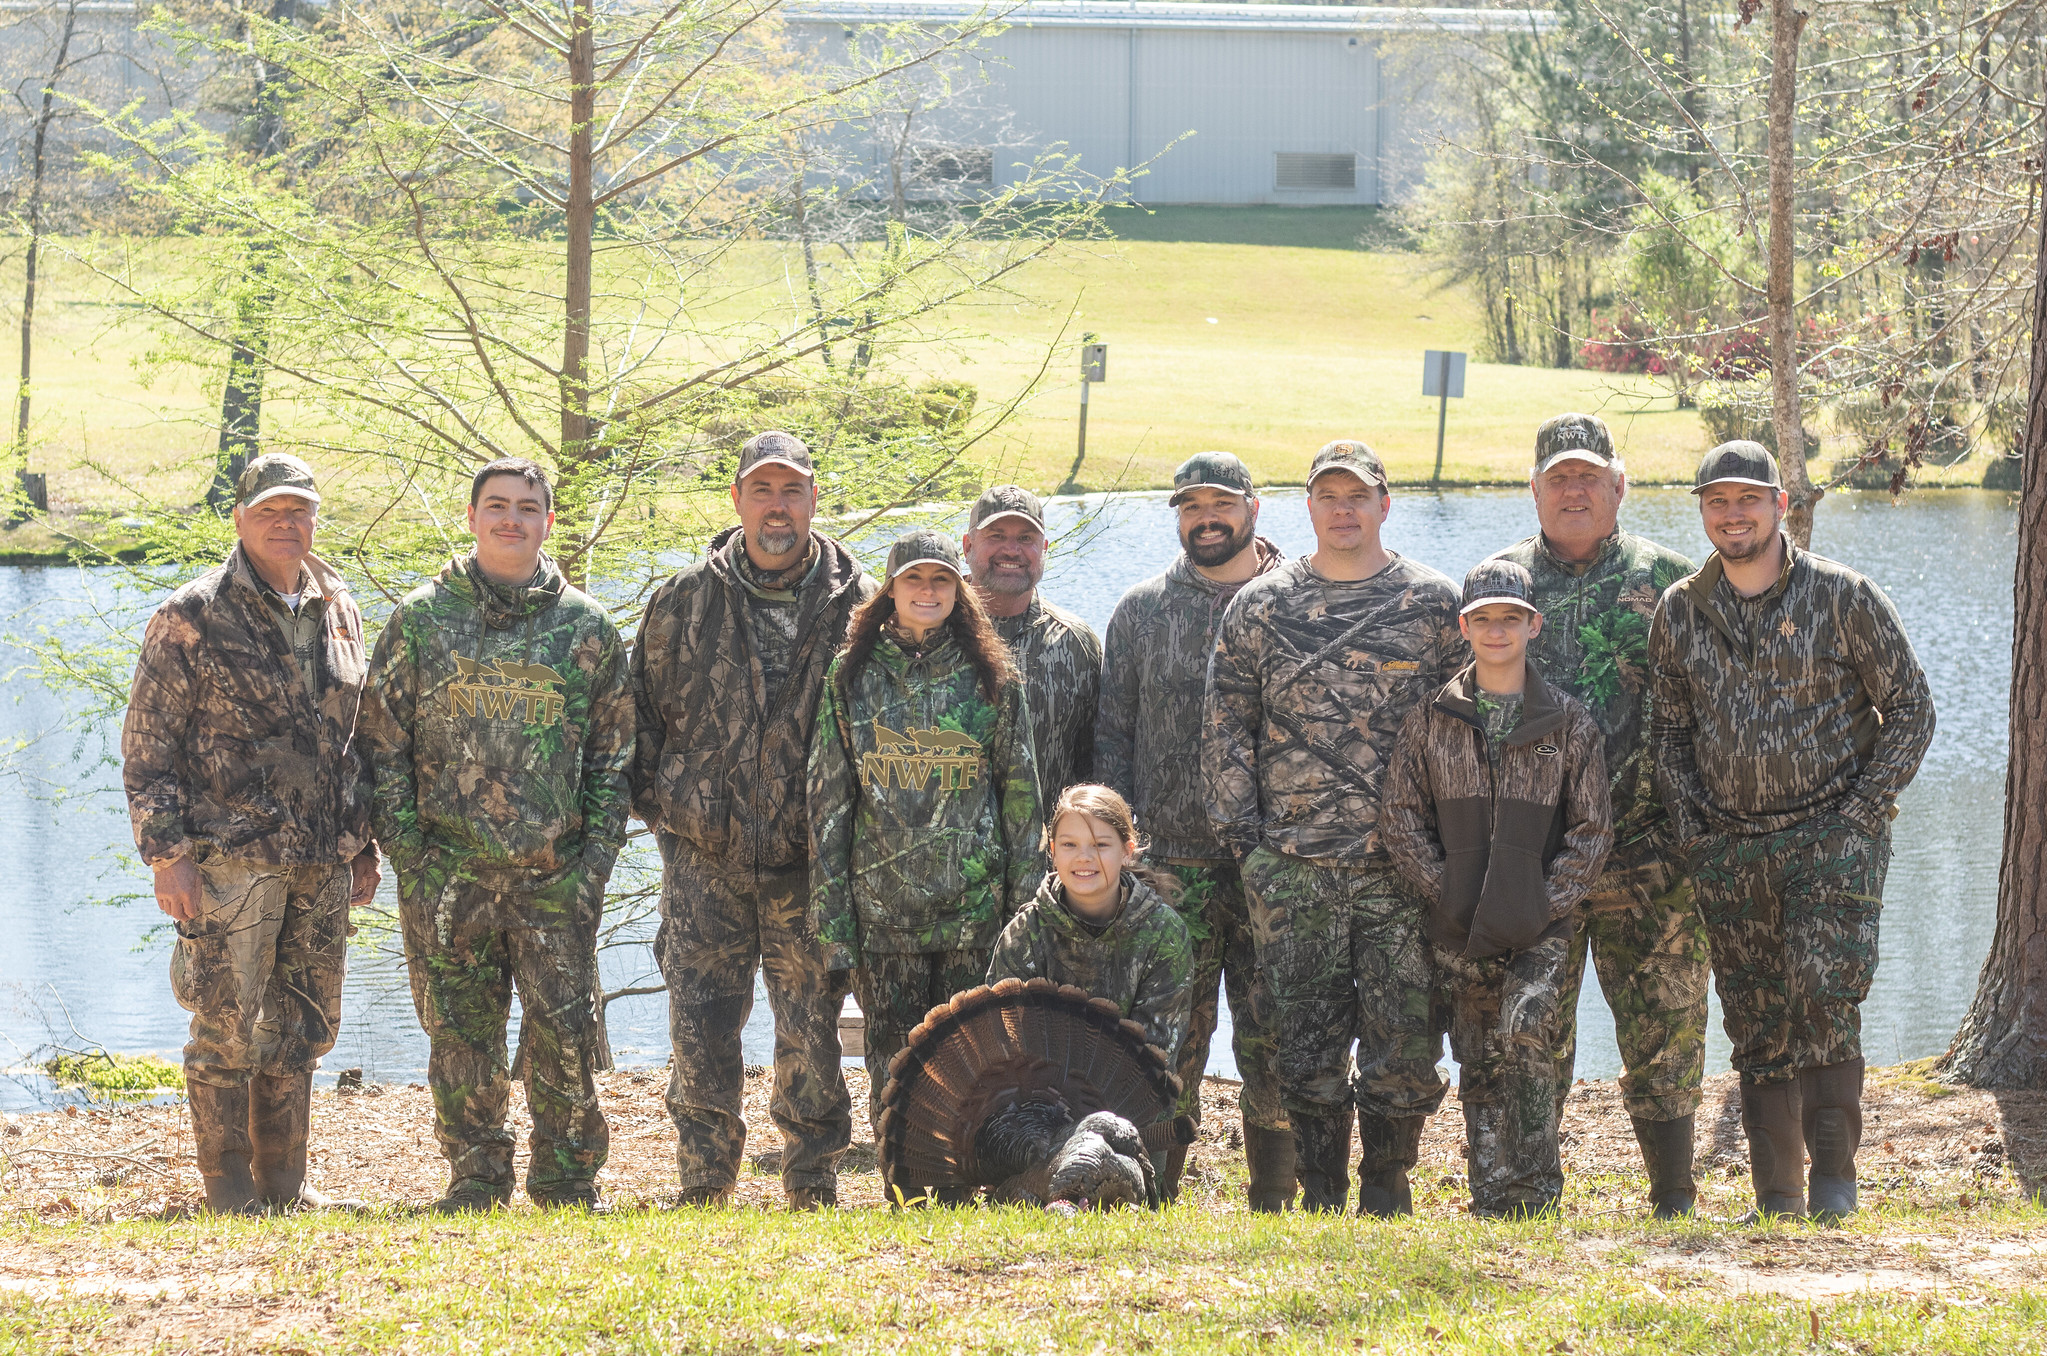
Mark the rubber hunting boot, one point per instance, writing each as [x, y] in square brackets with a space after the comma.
[1833, 1132]
[1667, 1153]
[1270, 1156]
[1322, 1160]
[1387, 1149]
[220, 1141]
[1776, 1149]
[280, 1120]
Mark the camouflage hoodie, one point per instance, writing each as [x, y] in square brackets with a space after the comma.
[924, 820]
[500, 722]
[1595, 645]
[1060, 659]
[1804, 700]
[224, 754]
[1307, 690]
[1154, 669]
[1143, 961]
[717, 761]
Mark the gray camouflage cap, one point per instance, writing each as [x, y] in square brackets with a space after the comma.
[924, 547]
[1741, 461]
[272, 474]
[773, 448]
[1348, 454]
[1498, 581]
[1573, 437]
[1006, 501]
[1213, 471]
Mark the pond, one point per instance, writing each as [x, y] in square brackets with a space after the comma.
[69, 964]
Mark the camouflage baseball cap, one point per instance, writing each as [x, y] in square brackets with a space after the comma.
[1212, 471]
[1573, 437]
[272, 474]
[1498, 581]
[1348, 454]
[1006, 501]
[924, 547]
[773, 448]
[1742, 461]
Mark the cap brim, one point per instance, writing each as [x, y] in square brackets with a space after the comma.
[1733, 480]
[926, 560]
[1186, 490]
[1379, 480]
[1038, 523]
[1477, 603]
[312, 496]
[802, 470]
[1574, 454]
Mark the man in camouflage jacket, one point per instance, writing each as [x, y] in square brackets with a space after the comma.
[1154, 668]
[500, 723]
[249, 793]
[1319, 662]
[728, 672]
[1057, 654]
[1789, 712]
[1597, 587]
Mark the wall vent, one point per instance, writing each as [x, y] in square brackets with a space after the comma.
[1317, 172]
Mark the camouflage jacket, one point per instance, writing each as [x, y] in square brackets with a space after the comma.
[1059, 658]
[224, 752]
[924, 821]
[1595, 645]
[1306, 693]
[1154, 668]
[1801, 701]
[719, 762]
[1143, 961]
[500, 722]
[1501, 855]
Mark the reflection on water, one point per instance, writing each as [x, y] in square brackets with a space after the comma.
[1944, 557]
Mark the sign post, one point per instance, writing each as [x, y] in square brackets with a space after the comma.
[1094, 366]
[1442, 377]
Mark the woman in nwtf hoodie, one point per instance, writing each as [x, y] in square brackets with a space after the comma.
[924, 816]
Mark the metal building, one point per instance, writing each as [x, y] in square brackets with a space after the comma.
[1300, 104]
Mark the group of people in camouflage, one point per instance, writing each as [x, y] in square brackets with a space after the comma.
[1375, 809]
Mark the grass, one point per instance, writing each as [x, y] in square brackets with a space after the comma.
[101, 1072]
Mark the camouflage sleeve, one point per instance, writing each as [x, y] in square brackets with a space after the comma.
[608, 751]
[361, 799]
[1016, 788]
[833, 790]
[649, 673]
[1407, 808]
[159, 714]
[1164, 1004]
[1588, 816]
[1671, 726]
[1896, 687]
[1233, 714]
[389, 703]
[1453, 652]
[1016, 953]
[1116, 709]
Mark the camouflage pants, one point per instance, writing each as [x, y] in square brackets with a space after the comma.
[1226, 958]
[718, 926]
[1343, 951]
[1648, 945]
[466, 954]
[896, 991]
[1792, 916]
[1503, 1013]
[260, 969]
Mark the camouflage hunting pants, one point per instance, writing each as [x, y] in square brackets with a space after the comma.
[260, 969]
[895, 992]
[1648, 946]
[1792, 917]
[1344, 953]
[466, 954]
[1218, 919]
[719, 924]
[1503, 1013]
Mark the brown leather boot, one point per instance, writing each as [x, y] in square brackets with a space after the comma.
[1667, 1153]
[1322, 1160]
[1776, 1149]
[220, 1141]
[1270, 1156]
[280, 1120]
[1832, 1097]
[1387, 1149]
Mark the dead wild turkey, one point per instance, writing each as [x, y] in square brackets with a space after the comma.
[1033, 1090]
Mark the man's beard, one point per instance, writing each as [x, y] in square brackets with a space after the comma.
[1217, 553]
[776, 541]
[1756, 544]
[1009, 584]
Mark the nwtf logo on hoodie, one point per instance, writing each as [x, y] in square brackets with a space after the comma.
[494, 691]
[909, 759]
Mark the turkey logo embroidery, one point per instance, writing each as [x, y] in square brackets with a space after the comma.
[495, 691]
[908, 759]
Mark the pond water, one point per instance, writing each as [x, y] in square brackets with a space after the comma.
[70, 965]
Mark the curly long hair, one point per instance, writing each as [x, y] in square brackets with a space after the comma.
[969, 626]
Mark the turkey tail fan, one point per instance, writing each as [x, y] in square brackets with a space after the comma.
[1004, 1049]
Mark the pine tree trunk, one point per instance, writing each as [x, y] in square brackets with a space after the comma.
[1786, 418]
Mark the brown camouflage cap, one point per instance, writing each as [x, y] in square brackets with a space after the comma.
[272, 474]
[924, 547]
[1742, 461]
[1498, 581]
[773, 448]
[1006, 501]
[1212, 471]
[1348, 454]
[1573, 437]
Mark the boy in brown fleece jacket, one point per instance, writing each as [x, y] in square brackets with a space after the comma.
[1496, 811]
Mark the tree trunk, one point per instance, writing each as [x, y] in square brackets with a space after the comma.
[2002, 1042]
[1785, 23]
[579, 228]
[35, 488]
